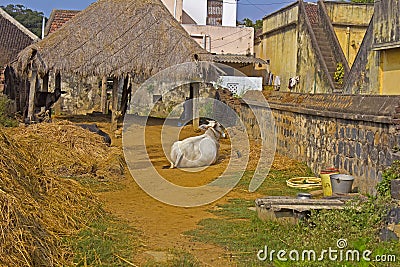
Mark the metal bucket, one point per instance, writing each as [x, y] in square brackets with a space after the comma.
[341, 183]
[304, 196]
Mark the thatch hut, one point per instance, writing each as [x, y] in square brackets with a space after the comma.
[111, 38]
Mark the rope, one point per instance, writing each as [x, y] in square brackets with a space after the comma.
[304, 182]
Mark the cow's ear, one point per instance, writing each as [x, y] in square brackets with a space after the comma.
[203, 127]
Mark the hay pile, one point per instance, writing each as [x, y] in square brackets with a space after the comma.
[38, 207]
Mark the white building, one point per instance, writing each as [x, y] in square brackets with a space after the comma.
[201, 10]
[212, 23]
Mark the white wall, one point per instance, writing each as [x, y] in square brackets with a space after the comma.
[224, 39]
[197, 9]
[229, 10]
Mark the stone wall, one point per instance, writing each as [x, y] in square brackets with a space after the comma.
[82, 95]
[356, 134]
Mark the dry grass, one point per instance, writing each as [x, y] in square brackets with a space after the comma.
[38, 207]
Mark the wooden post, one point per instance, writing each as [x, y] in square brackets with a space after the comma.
[45, 88]
[126, 91]
[57, 86]
[104, 95]
[32, 93]
[195, 92]
[114, 103]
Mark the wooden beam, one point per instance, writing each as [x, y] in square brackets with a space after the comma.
[57, 86]
[104, 95]
[32, 93]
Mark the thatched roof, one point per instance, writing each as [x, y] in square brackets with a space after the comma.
[114, 38]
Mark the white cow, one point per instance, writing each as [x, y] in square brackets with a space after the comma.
[199, 150]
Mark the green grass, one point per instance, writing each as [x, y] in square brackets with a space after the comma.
[239, 230]
[275, 183]
[7, 119]
[106, 242]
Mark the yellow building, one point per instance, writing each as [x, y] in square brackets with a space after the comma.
[376, 69]
[350, 22]
[309, 40]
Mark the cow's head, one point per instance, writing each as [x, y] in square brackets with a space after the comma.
[216, 126]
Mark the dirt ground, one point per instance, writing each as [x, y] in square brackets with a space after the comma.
[162, 226]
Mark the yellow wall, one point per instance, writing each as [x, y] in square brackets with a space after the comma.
[279, 45]
[350, 22]
[390, 72]
[350, 39]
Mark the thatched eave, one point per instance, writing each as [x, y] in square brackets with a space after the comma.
[114, 38]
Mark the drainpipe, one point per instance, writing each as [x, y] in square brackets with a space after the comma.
[209, 43]
[205, 42]
[348, 43]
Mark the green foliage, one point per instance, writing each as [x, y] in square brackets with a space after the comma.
[239, 230]
[339, 73]
[6, 117]
[249, 23]
[392, 173]
[29, 18]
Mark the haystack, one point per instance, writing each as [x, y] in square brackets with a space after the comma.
[39, 204]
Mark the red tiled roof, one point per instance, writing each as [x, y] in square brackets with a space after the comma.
[312, 12]
[58, 18]
[13, 38]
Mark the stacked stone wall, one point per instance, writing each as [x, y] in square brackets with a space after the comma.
[356, 134]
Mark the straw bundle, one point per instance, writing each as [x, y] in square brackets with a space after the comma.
[37, 207]
[115, 38]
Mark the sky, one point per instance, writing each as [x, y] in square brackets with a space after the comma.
[252, 9]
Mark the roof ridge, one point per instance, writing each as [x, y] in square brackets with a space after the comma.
[18, 25]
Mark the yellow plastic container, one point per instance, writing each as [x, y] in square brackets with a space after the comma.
[326, 180]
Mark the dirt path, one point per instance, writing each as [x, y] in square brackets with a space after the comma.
[162, 226]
